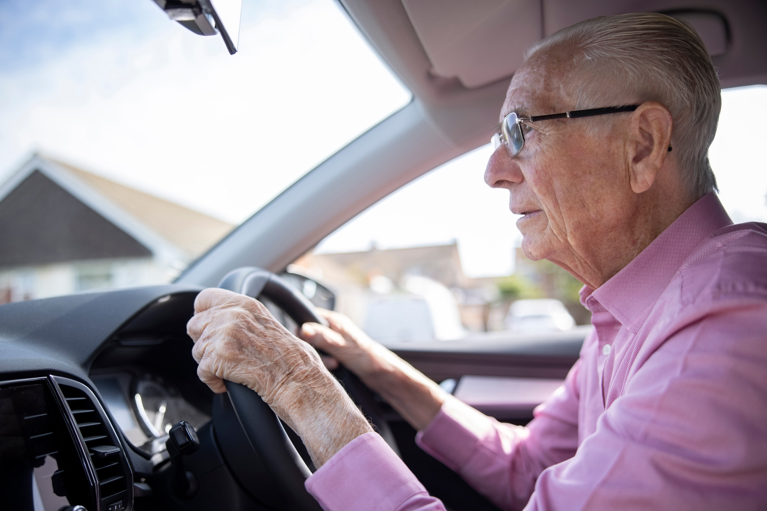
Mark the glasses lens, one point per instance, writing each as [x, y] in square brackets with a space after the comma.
[513, 132]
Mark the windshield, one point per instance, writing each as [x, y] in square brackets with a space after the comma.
[129, 146]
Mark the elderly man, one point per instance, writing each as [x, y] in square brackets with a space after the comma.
[603, 147]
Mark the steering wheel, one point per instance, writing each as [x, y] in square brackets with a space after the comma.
[262, 427]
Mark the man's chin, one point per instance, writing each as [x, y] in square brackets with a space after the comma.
[532, 247]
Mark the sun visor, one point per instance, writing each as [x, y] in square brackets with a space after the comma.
[711, 27]
[482, 41]
[478, 42]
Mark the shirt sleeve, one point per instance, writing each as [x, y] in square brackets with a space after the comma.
[689, 430]
[366, 475]
[503, 461]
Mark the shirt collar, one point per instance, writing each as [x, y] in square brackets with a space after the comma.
[630, 294]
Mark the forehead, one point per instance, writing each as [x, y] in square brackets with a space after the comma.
[539, 85]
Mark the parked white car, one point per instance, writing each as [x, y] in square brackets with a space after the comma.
[423, 310]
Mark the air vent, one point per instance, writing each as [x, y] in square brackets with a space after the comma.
[115, 481]
[36, 449]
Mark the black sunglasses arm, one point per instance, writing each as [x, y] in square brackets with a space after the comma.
[585, 113]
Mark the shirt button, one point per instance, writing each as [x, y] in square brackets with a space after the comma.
[606, 349]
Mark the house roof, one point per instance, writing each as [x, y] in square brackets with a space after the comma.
[190, 230]
[41, 223]
[54, 212]
[439, 262]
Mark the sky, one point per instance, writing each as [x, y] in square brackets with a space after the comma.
[118, 89]
[139, 99]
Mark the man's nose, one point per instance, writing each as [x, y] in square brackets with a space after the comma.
[502, 170]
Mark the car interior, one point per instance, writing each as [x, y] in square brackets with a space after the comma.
[100, 401]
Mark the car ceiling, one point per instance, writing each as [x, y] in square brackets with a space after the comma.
[456, 56]
[441, 48]
[480, 42]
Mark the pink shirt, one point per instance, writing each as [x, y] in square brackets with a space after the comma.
[666, 407]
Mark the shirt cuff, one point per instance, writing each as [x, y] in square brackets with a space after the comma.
[455, 434]
[365, 475]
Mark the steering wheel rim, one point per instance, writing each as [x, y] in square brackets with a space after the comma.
[261, 426]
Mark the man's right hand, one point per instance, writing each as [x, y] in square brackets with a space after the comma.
[417, 398]
[343, 342]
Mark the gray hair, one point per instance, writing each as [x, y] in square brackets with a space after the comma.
[649, 57]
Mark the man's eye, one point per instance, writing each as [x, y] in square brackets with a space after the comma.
[526, 128]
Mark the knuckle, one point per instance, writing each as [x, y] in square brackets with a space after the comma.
[201, 301]
[257, 304]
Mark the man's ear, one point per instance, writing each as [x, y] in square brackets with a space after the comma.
[648, 144]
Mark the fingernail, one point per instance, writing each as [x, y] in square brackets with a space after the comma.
[309, 329]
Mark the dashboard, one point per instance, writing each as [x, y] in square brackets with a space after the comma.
[145, 406]
[147, 378]
[90, 385]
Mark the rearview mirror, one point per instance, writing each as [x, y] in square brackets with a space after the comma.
[207, 17]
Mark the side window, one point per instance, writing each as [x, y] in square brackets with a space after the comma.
[439, 260]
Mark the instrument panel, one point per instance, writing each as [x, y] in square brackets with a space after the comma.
[145, 406]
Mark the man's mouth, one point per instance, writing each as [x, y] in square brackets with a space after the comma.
[528, 215]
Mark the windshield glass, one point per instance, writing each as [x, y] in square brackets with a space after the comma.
[129, 145]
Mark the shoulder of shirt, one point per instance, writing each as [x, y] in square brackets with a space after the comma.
[730, 263]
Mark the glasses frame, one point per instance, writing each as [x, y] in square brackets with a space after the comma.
[510, 128]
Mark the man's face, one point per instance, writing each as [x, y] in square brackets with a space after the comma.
[571, 187]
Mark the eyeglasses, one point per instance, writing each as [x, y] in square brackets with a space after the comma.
[512, 134]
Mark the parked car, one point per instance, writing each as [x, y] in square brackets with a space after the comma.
[424, 310]
[91, 384]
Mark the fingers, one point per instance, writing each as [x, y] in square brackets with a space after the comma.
[212, 300]
[330, 363]
[321, 337]
[203, 356]
[335, 320]
[196, 326]
[198, 350]
[206, 300]
[344, 326]
[209, 378]
[236, 338]
[214, 297]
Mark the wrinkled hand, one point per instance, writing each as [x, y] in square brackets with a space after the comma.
[412, 394]
[345, 342]
[237, 339]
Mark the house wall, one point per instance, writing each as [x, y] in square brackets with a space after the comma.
[44, 281]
